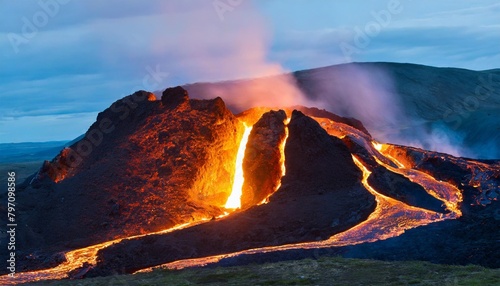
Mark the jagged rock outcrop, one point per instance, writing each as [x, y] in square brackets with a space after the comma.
[317, 158]
[262, 163]
[144, 165]
[321, 186]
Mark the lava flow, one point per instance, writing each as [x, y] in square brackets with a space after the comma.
[86, 257]
[82, 258]
[450, 195]
[389, 219]
[282, 151]
[234, 200]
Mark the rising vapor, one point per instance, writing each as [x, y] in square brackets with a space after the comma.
[236, 48]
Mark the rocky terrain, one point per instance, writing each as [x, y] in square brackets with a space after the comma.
[137, 170]
[146, 165]
[321, 186]
[310, 176]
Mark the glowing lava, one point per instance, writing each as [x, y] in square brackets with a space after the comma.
[450, 195]
[234, 200]
[389, 219]
[78, 258]
[282, 151]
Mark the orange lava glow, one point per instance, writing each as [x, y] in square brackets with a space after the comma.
[381, 148]
[282, 151]
[378, 146]
[450, 195]
[76, 258]
[234, 200]
[390, 218]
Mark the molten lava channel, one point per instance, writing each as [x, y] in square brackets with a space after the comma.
[390, 218]
[234, 200]
[282, 151]
[79, 257]
[449, 194]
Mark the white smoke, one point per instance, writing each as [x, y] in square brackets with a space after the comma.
[235, 47]
[367, 93]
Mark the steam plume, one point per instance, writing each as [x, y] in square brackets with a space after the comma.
[235, 48]
[367, 92]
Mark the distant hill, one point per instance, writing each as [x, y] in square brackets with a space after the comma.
[443, 109]
[32, 151]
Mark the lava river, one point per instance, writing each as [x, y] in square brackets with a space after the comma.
[389, 219]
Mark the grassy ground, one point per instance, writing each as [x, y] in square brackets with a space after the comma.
[324, 271]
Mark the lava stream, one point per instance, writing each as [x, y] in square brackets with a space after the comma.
[390, 218]
[234, 200]
[77, 258]
[450, 195]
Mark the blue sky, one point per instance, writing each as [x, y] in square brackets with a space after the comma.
[63, 61]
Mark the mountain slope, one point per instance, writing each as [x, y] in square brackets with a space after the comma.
[442, 109]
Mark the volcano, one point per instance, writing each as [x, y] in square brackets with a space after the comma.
[183, 182]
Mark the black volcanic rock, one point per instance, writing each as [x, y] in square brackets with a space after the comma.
[321, 187]
[116, 120]
[479, 180]
[174, 96]
[316, 158]
[400, 188]
[144, 165]
[455, 242]
[261, 165]
[316, 112]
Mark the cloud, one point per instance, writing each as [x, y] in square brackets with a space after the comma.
[94, 52]
[467, 47]
[474, 11]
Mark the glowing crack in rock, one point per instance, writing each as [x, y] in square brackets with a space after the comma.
[389, 219]
[234, 200]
